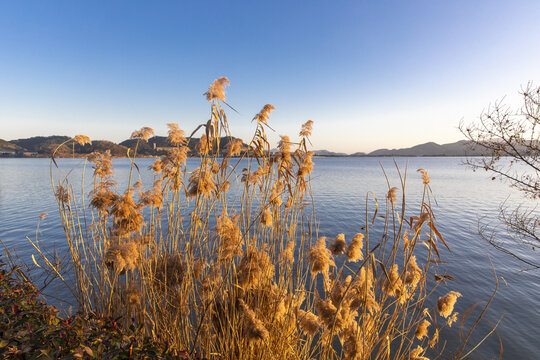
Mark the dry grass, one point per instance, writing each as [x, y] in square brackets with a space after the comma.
[178, 262]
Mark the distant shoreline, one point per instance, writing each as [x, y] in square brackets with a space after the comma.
[82, 156]
[44, 146]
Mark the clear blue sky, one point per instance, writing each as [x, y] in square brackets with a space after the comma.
[369, 74]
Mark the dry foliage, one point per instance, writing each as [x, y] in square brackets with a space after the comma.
[180, 263]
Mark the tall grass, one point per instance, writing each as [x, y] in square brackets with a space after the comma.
[226, 262]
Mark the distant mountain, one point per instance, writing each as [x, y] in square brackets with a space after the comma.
[158, 145]
[147, 148]
[40, 144]
[6, 145]
[327, 153]
[459, 148]
[46, 145]
[102, 146]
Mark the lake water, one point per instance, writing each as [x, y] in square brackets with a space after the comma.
[463, 200]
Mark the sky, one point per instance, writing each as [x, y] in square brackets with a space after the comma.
[370, 74]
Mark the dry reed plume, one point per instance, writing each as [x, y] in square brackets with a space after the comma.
[251, 281]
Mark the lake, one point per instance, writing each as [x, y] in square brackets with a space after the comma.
[464, 200]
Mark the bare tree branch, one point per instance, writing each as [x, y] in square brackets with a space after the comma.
[510, 143]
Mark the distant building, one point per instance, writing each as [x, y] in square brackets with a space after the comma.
[8, 152]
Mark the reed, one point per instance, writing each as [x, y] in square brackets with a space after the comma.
[227, 262]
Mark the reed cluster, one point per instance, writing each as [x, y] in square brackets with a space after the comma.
[226, 261]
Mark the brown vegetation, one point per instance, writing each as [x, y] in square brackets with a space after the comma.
[178, 262]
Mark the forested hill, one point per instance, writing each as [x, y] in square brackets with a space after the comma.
[158, 145]
[44, 146]
[459, 148]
